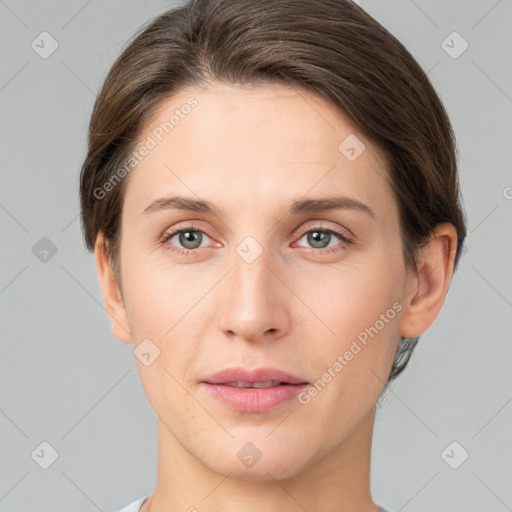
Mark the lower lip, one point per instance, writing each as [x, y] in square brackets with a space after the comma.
[254, 399]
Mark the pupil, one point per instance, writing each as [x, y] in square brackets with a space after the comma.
[189, 237]
[313, 238]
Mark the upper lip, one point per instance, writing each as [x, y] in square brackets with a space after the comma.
[254, 375]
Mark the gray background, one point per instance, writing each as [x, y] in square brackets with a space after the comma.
[67, 381]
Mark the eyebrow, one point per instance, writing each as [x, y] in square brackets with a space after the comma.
[297, 206]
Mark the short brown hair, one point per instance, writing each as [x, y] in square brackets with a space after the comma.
[329, 47]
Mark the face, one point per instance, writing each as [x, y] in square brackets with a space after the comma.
[313, 291]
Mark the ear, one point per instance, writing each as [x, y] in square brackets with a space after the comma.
[112, 297]
[428, 287]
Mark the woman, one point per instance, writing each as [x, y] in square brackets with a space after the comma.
[271, 193]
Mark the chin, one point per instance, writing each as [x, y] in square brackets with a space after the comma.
[275, 466]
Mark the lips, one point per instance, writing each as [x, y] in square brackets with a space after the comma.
[243, 377]
[253, 391]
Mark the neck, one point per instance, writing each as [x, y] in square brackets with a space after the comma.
[338, 481]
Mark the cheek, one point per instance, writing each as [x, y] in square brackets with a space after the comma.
[156, 294]
[347, 301]
[164, 305]
[359, 310]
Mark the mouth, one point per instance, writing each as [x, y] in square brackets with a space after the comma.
[259, 377]
[254, 391]
[258, 385]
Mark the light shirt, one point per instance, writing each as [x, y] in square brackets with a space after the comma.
[134, 506]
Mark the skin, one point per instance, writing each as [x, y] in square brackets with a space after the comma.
[251, 152]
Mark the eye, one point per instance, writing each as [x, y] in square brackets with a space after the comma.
[189, 237]
[320, 238]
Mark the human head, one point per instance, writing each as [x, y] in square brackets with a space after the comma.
[335, 50]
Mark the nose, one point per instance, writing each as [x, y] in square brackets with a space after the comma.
[253, 302]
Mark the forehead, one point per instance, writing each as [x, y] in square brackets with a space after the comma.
[238, 145]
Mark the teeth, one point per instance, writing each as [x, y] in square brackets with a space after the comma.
[245, 384]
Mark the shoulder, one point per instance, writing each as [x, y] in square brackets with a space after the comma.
[134, 506]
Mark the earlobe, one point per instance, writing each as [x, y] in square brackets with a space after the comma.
[112, 297]
[427, 289]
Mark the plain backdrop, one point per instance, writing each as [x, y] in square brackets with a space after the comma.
[66, 382]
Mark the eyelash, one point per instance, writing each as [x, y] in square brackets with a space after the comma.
[187, 252]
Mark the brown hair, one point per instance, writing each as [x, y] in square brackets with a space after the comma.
[329, 47]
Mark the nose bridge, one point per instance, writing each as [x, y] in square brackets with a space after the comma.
[253, 304]
[251, 275]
